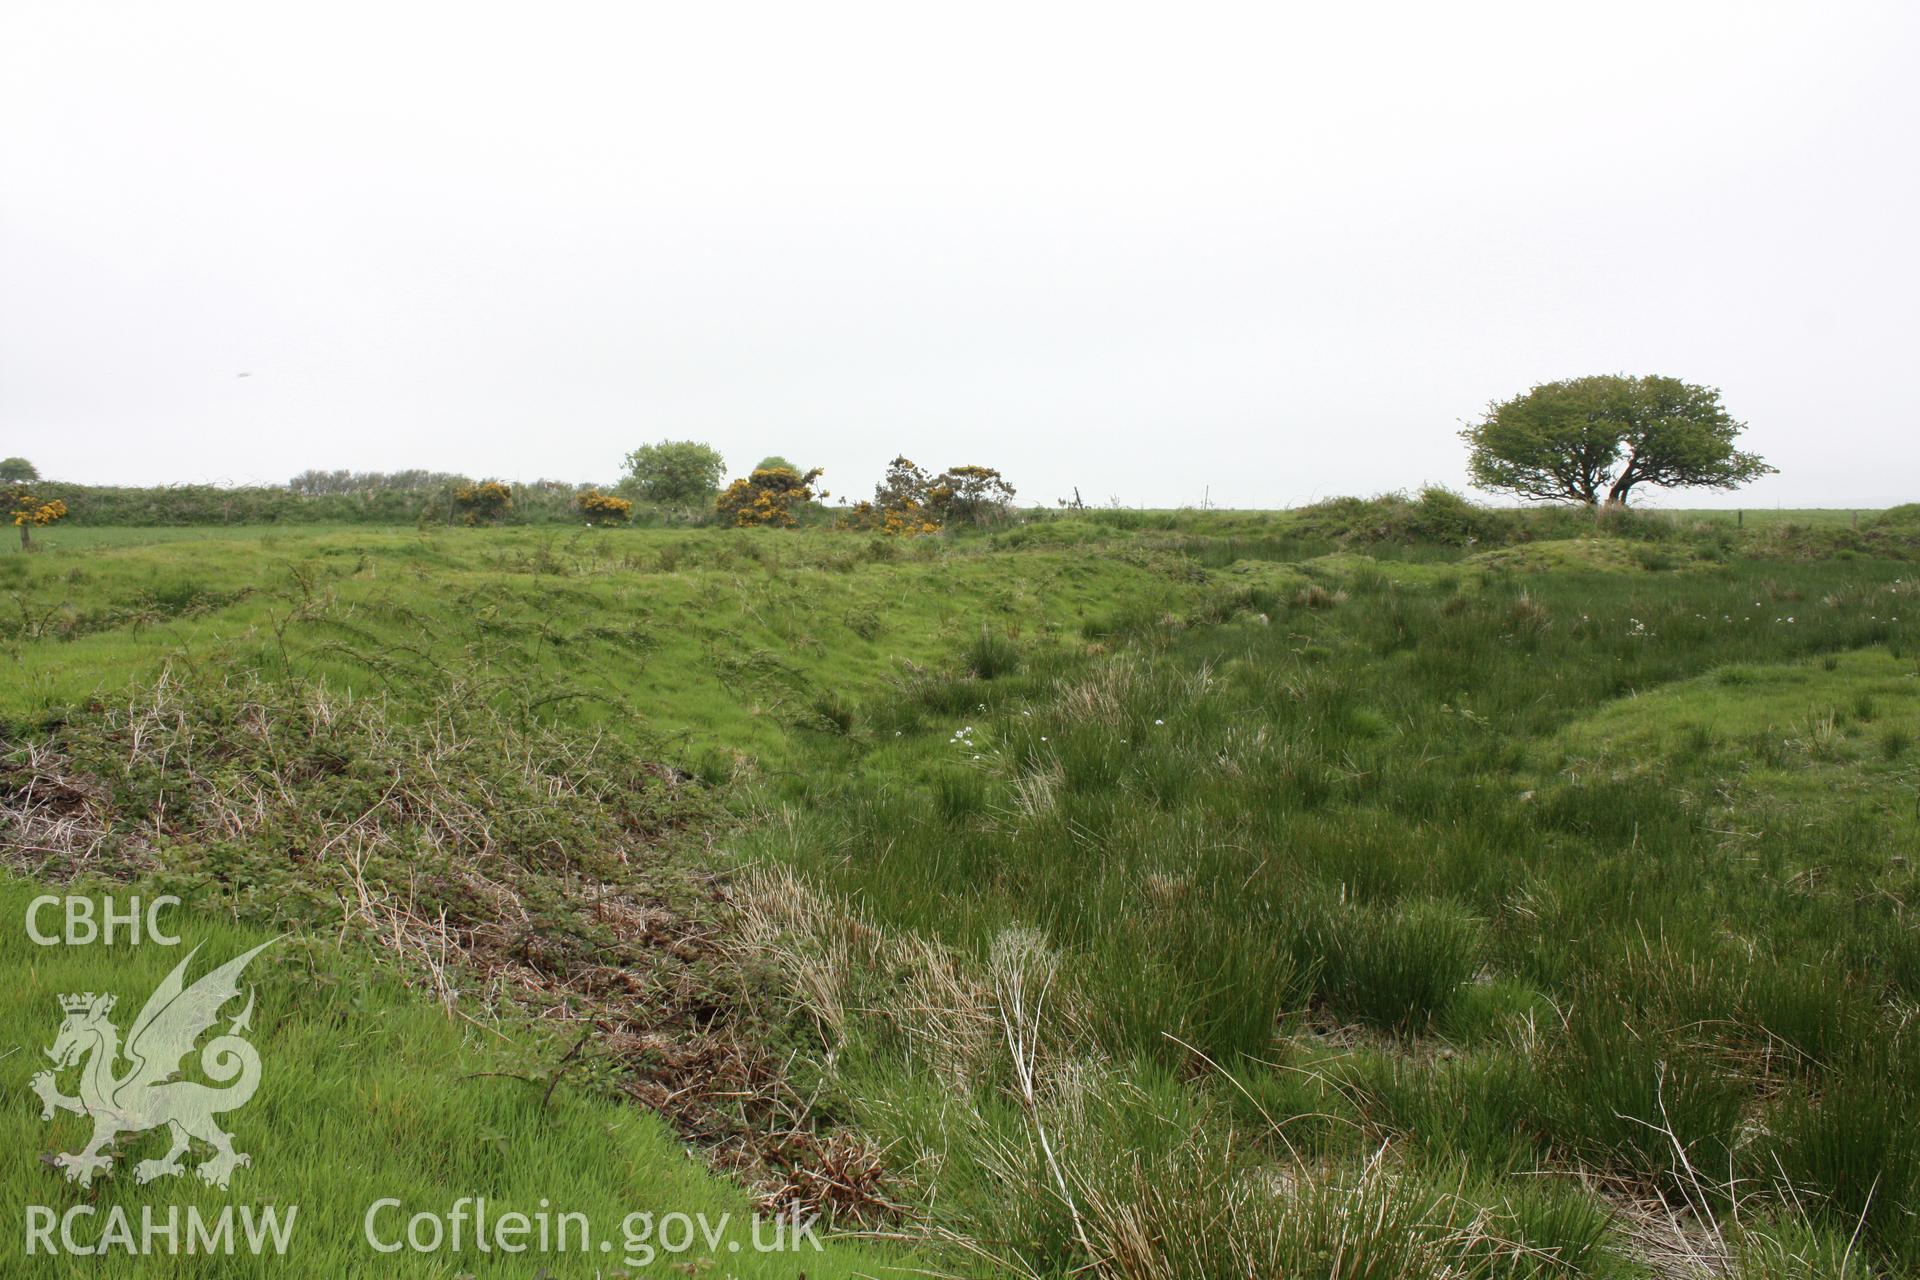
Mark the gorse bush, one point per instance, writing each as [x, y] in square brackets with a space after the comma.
[910, 518]
[28, 512]
[483, 503]
[768, 497]
[908, 501]
[603, 508]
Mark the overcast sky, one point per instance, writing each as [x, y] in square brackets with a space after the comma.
[1255, 253]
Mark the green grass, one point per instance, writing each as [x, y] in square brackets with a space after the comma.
[1816, 517]
[721, 641]
[367, 1092]
[1581, 555]
[1178, 893]
[1384, 799]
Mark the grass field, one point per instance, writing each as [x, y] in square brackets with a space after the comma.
[1374, 893]
[718, 640]
[1761, 517]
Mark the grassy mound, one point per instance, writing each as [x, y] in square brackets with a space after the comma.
[1904, 519]
[519, 877]
[720, 643]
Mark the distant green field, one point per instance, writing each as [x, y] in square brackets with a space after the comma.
[80, 537]
[1762, 517]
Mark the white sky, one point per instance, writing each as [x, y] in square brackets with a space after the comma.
[1263, 253]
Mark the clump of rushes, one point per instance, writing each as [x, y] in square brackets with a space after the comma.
[1396, 967]
[990, 655]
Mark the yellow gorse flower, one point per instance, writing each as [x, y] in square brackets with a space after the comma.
[27, 509]
[767, 497]
[604, 507]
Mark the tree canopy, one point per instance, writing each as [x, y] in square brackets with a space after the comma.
[18, 471]
[1598, 438]
[676, 471]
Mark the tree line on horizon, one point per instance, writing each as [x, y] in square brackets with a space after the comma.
[1591, 441]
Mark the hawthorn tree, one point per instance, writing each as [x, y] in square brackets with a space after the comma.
[1597, 439]
[675, 470]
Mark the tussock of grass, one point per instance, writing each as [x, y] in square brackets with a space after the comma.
[1395, 967]
[989, 656]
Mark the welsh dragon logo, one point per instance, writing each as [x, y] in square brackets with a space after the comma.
[145, 1095]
